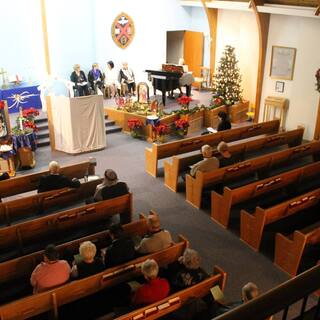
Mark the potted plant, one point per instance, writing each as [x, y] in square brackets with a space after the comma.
[184, 102]
[135, 126]
[161, 131]
[181, 127]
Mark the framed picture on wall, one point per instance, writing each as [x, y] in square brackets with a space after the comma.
[279, 86]
[282, 62]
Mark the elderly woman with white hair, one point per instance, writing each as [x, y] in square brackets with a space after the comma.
[188, 271]
[127, 77]
[54, 180]
[86, 263]
[79, 79]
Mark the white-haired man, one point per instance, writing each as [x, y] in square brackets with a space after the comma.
[154, 289]
[54, 180]
[208, 163]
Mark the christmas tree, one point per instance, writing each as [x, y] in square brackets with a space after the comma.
[227, 80]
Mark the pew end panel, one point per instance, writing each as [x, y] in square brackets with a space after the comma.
[220, 206]
[194, 187]
[251, 227]
[296, 140]
[288, 252]
[152, 160]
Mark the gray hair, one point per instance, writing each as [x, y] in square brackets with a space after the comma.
[206, 150]
[150, 269]
[54, 167]
[248, 291]
[87, 250]
[190, 259]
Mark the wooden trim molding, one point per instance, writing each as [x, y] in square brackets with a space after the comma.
[317, 13]
[45, 36]
[212, 16]
[263, 21]
[317, 128]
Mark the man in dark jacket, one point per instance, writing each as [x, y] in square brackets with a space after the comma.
[54, 180]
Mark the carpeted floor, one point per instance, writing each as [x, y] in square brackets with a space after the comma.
[216, 245]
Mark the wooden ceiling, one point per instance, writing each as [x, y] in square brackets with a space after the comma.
[304, 3]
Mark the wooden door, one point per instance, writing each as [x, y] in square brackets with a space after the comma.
[193, 51]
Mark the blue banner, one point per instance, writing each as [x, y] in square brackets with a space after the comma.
[23, 95]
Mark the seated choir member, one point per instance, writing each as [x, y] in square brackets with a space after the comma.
[127, 77]
[224, 122]
[54, 180]
[188, 271]
[226, 158]
[95, 78]
[157, 238]
[88, 264]
[154, 289]
[111, 187]
[80, 81]
[120, 250]
[208, 163]
[51, 272]
[111, 79]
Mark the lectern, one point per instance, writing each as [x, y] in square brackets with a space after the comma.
[76, 125]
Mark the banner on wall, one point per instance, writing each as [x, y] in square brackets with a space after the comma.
[122, 30]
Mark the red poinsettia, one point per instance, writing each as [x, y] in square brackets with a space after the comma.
[181, 124]
[184, 100]
[31, 112]
[162, 129]
[30, 125]
[134, 124]
[1, 104]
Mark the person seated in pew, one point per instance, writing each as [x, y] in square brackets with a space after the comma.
[110, 188]
[157, 239]
[50, 273]
[226, 158]
[154, 289]
[208, 163]
[224, 122]
[95, 78]
[120, 250]
[187, 271]
[54, 180]
[86, 263]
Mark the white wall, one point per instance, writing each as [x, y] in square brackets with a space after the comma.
[152, 19]
[239, 30]
[303, 34]
[21, 39]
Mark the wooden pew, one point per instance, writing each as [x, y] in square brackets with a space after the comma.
[165, 150]
[53, 226]
[177, 300]
[178, 164]
[51, 300]
[30, 182]
[195, 185]
[22, 267]
[221, 203]
[252, 225]
[289, 250]
[38, 204]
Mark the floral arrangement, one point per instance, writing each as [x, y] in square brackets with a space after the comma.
[181, 124]
[25, 122]
[134, 124]
[318, 80]
[184, 101]
[162, 129]
[217, 101]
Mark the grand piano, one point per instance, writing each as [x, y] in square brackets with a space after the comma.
[167, 79]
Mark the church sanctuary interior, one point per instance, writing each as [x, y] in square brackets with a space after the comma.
[160, 159]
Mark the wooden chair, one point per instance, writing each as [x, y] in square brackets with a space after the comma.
[51, 300]
[204, 78]
[30, 182]
[221, 203]
[252, 225]
[181, 163]
[289, 249]
[53, 227]
[195, 185]
[165, 150]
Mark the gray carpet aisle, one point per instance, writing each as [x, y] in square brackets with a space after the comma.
[216, 245]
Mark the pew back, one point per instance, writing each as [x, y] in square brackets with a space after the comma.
[169, 149]
[29, 182]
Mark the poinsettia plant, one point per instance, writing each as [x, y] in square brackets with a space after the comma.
[1, 104]
[162, 129]
[318, 80]
[26, 122]
[217, 101]
[184, 100]
[134, 124]
[181, 124]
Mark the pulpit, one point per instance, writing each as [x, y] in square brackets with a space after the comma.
[76, 125]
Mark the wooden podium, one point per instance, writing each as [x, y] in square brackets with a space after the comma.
[76, 125]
